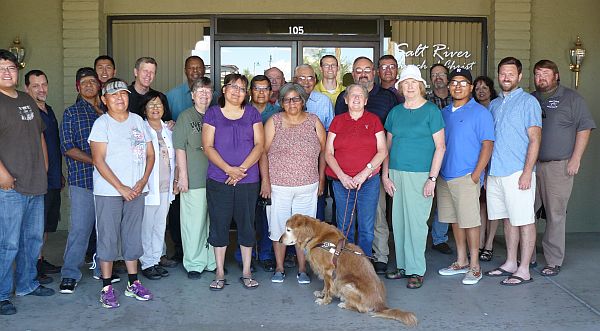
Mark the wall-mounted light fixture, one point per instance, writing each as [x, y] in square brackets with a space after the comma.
[19, 51]
[576, 56]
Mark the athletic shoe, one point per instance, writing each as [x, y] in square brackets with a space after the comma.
[138, 291]
[278, 277]
[472, 277]
[453, 269]
[108, 297]
[151, 273]
[303, 278]
[162, 271]
[7, 308]
[67, 285]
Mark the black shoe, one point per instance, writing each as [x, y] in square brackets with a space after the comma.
[442, 248]
[7, 308]
[44, 279]
[120, 267]
[42, 291]
[380, 268]
[252, 268]
[113, 279]
[194, 275]
[268, 265]
[50, 268]
[167, 263]
[162, 271]
[67, 285]
[151, 273]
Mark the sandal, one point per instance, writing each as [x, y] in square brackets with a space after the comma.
[486, 254]
[249, 283]
[550, 271]
[217, 284]
[414, 282]
[396, 274]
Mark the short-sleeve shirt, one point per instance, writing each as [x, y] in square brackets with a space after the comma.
[21, 128]
[234, 140]
[355, 143]
[53, 146]
[125, 151]
[563, 115]
[466, 129]
[412, 136]
[513, 114]
[320, 105]
[380, 102]
[331, 94]
[188, 137]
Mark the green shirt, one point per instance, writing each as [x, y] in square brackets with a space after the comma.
[412, 142]
[188, 137]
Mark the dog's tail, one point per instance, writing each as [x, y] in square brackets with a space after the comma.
[406, 317]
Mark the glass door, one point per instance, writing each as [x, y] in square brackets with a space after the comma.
[311, 53]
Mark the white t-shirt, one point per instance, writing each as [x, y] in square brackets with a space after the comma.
[125, 153]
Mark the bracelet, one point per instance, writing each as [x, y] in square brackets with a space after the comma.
[175, 180]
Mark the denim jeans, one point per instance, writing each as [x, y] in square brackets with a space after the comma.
[439, 230]
[366, 208]
[83, 218]
[21, 237]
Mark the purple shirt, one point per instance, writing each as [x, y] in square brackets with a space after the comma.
[234, 140]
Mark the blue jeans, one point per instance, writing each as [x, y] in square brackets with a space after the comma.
[83, 218]
[366, 208]
[21, 237]
[265, 245]
[439, 230]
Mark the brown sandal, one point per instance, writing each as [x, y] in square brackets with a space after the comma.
[217, 284]
[414, 282]
[249, 283]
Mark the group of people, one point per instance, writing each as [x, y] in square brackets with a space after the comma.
[257, 152]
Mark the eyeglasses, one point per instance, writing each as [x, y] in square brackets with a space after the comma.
[439, 75]
[241, 89]
[9, 69]
[305, 78]
[462, 83]
[366, 70]
[385, 67]
[329, 66]
[259, 89]
[154, 106]
[292, 99]
[203, 90]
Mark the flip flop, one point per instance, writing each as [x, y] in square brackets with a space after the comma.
[503, 273]
[251, 285]
[551, 271]
[521, 281]
[219, 284]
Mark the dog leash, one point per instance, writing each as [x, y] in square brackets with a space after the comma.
[342, 242]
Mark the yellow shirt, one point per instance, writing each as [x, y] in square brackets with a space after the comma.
[332, 96]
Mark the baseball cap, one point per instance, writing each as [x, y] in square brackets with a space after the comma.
[114, 87]
[85, 72]
[461, 72]
[411, 71]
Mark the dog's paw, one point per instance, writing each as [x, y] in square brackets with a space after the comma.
[323, 301]
[342, 305]
[318, 294]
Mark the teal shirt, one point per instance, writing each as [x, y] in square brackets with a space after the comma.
[412, 136]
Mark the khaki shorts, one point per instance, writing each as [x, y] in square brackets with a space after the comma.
[506, 200]
[458, 201]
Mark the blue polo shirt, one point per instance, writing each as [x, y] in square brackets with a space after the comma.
[320, 105]
[466, 129]
[180, 99]
[53, 146]
[269, 111]
[513, 114]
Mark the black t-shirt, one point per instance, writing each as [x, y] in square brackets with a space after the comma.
[136, 100]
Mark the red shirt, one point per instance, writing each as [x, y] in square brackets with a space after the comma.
[355, 144]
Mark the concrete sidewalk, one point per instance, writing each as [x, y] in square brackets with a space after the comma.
[570, 301]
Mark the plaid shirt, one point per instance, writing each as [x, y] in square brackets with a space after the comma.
[74, 132]
[441, 103]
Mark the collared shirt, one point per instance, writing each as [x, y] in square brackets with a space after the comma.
[269, 111]
[74, 132]
[380, 102]
[563, 114]
[180, 99]
[53, 146]
[513, 115]
[441, 103]
[320, 105]
[331, 95]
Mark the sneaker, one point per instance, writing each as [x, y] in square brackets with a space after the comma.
[472, 277]
[44, 279]
[278, 277]
[67, 285]
[108, 297]
[442, 248]
[303, 278]
[453, 269]
[162, 271]
[151, 273]
[42, 291]
[113, 279]
[268, 265]
[380, 267]
[290, 261]
[138, 291]
[49, 268]
[7, 308]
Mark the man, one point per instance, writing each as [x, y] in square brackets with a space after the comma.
[23, 183]
[105, 68]
[329, 84]
[36, 84]
[469, 143]
[380, 102]
[439, 94]
[77, 123]
[277, 80]
[388, 75]
[179, 97]
[144, 72]
[566, 129]
[511, 182]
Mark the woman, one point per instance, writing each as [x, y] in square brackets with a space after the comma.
[160, 184]
[191, 182]
[233, 139]
[484, 93]
[294, 145]
[354, 152]
[415, 137]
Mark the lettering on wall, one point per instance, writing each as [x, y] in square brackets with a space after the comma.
[424, 56]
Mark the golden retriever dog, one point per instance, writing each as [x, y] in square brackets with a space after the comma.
[353, 280]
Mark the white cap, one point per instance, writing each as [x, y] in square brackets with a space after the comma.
[411, 71]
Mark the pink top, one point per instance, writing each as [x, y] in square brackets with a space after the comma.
[294, 153]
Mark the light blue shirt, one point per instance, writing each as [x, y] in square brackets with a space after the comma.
[180, 99]
[320, 105]
[513, 115]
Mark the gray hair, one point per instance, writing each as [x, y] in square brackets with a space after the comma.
[201, 82]
[289, 87]
[363, 89]
[305, 66]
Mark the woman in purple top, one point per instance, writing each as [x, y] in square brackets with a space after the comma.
[232, 139]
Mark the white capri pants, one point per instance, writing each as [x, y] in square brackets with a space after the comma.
[287, 201]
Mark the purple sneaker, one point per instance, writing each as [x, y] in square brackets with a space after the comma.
[138, 291]
[108, 297]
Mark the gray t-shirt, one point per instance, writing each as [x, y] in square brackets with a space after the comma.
[125, 152]
[563, 115]
[21, 128]
[187, 136]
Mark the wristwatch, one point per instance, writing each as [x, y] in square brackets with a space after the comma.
[370, 166]
[432, 178]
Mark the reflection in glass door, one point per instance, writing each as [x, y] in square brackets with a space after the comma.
[345, 56]
[252, 61]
